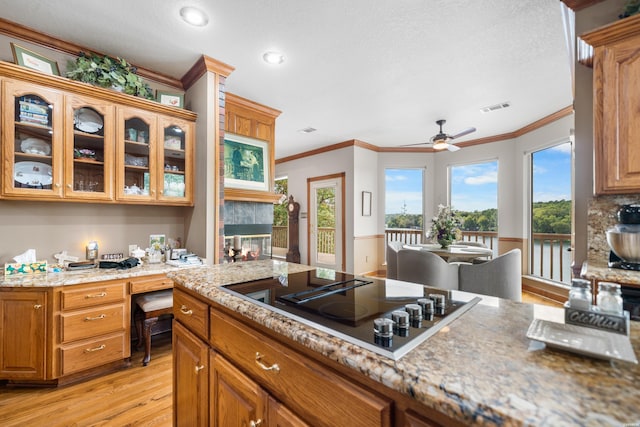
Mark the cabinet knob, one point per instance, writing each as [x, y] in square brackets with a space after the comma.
[69, 186]
[256, 423]
[199, 368]
[260, 363]
[185, 310]
[57, 185]
[37, 306]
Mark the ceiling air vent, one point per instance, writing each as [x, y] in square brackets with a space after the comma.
[495, 107]
[307, 130]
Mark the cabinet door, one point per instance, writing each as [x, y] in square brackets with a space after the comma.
[136, 164]
[89, 146]
[235, 399]
[190, 379]
[32, 141]
[281, 416]
[175, 150]
[22, 334]
[616, 89]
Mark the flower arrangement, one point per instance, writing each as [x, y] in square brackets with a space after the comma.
[445, 226]
[631, 7]
[108, 72]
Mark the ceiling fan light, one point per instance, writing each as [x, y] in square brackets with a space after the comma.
[273, 57]
[440, 144]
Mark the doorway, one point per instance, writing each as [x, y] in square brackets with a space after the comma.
[325, 233]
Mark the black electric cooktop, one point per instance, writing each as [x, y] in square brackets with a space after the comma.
[350, 307]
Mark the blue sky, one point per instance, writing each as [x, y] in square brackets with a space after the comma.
[475, 186]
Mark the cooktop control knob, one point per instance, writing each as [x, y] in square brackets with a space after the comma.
[438, 302]
[400, 323]
[383, 331]
[427, 308]
[415, 314]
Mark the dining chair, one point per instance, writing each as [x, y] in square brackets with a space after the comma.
[499, 277]
[392, 258]
[477, 260]
[426, 268]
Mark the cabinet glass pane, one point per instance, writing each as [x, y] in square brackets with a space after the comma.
[174, 161]
[136, 157]
[33, 142]
[88, 150]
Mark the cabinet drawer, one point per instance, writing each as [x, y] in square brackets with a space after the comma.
[303, 385]
[92, 353]
[92, 322]
[90, 296]
[150, 284]
[192, 313]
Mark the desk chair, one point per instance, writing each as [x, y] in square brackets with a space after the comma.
[149, 308]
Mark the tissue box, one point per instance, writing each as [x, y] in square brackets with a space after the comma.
[25, 268]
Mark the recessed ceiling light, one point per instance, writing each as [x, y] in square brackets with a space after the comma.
[194, 16]
[308, 129]
[272, 57]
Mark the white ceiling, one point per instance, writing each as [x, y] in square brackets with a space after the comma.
[380, 71]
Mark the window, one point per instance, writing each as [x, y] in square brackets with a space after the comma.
[403, 205]
[474, 195]
[551, 172]
[280, 232]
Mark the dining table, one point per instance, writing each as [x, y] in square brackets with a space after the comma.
[457, 252]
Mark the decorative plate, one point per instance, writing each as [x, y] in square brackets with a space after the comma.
[87, 120]
[33, 173]
[587, 341]
[35, 146]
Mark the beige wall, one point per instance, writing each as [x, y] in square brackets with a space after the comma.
[51, 227]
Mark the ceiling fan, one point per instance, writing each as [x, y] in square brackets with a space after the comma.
[442, 140]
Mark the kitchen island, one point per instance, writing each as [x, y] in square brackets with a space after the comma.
[479, 370]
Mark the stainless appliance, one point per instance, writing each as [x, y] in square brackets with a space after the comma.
[388, 317]
[624, 239]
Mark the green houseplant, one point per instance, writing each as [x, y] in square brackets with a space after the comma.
[631, 7]
[105, 71]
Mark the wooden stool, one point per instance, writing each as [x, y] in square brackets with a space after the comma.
[150, 307]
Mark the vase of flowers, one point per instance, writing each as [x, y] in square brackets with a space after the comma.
[445, 227]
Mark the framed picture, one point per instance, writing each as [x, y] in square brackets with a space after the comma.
[172, 99]
[157, 242]
[246, 163]
[366, 203]
[29, 59]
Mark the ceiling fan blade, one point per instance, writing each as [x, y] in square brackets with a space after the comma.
[463, 133]
[452, 147]
[419, 143]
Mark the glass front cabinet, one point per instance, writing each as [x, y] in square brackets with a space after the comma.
[32, 141]
[68, 141]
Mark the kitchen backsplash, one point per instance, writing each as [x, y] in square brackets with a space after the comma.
[601, 217]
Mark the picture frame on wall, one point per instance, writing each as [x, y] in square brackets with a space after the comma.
[27, 58]
[366, 203]
[246, 163]
[170, 98]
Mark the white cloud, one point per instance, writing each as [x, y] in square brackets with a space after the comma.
[393, 178]
[549, 196]
[562, 148]
[489, 177]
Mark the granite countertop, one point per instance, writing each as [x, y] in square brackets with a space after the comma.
[85, 276]
[602, 272]
[481, 369]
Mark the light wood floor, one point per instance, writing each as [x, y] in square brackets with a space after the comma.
[136, 396]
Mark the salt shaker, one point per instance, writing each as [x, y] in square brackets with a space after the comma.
[580, 294]
[610, 298]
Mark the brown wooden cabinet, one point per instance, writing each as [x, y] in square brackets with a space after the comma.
[254, 379]
[250, 119]
[68, 141]
[614, 52]
[23, 330]
[93, 326]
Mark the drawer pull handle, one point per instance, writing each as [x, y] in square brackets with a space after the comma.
[91, 350]
[100, 295]
[37, 306]
[199, 368]
[260, 363]
[257, 423]
[184, 310]
[89, 319]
